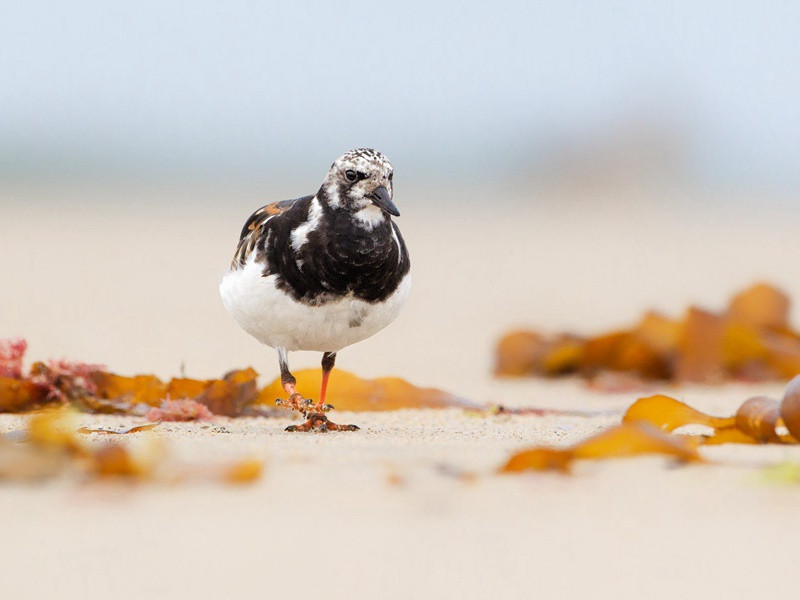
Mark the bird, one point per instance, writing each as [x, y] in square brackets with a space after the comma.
[321, 272]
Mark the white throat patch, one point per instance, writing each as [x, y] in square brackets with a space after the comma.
[369, 217]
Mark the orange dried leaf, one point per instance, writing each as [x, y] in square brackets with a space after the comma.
[347, 391]
[668, 414]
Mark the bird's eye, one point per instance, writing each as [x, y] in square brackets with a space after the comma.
[351, 175]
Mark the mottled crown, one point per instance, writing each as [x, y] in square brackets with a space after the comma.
[363, 159]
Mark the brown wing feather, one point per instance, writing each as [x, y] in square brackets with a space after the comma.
[253, 227]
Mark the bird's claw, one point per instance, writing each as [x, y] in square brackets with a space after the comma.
[318, 422]
[295, 402]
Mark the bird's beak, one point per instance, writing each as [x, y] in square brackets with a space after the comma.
[381, 198]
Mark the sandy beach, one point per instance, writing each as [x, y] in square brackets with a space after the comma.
[411, 506]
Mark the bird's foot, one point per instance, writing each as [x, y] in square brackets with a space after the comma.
[316, 420]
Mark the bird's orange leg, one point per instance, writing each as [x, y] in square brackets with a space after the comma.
[316, 420]
[328, 359]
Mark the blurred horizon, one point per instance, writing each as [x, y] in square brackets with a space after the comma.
[704, 93]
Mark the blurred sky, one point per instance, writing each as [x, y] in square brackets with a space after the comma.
[165, 88]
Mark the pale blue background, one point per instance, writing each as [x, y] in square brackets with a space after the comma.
[253, 89]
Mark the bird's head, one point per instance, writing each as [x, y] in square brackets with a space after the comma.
[361, 181]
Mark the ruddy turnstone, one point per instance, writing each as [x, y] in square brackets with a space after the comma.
[321, 272]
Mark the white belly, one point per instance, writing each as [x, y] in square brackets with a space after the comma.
[276, 319]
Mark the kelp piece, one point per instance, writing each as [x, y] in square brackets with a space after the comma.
[761, 305]
[758, 418]
[731, 435]
[750, 341]
[52, 446]
[19, 394]
[790, 407]
[623, 351]
[783, 352]
[647, 425]
[116, 460]
[668, 414]
[227, 396]
[145, 389]
[519, 353]
[183, 399]
[54, 428]
[625, 440]
[522, 353]
[659, 333]
[701, 357]
[230, 395]
[349, 392]
[562, 355]
[135, 429]
[183, 387]
[245, 471]
[756, 421]
[631, 439]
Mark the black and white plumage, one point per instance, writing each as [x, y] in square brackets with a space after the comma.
[322, 272]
